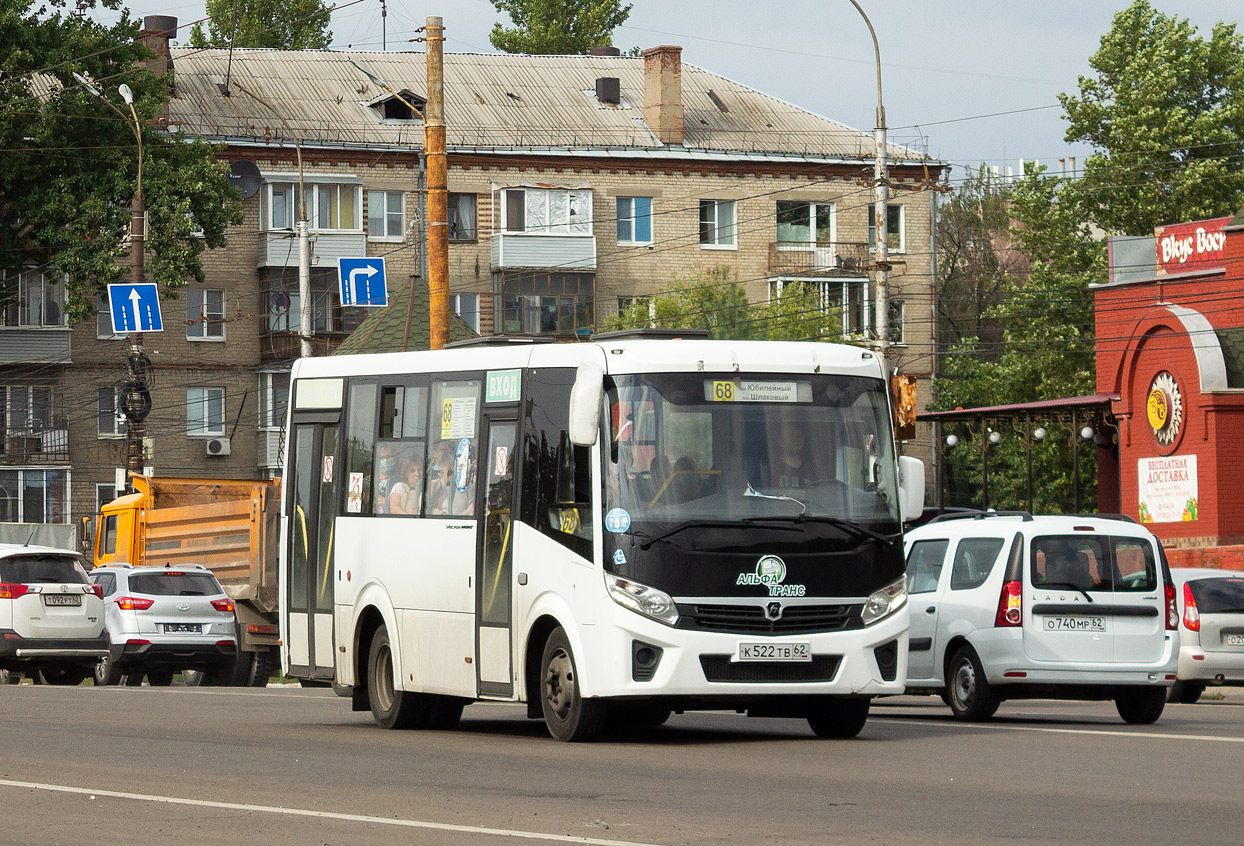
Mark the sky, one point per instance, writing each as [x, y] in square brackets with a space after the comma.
[945, 63]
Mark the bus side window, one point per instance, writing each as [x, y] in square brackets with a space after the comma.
[556, 479]
[360, 446]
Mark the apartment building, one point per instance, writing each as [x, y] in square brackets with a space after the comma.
[577, 184]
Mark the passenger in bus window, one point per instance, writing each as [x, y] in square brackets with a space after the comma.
[385, 468]
[406, 493]
[440, 477]
[793, 469]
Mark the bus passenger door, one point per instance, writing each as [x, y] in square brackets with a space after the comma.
[316, 485]
[493, 594]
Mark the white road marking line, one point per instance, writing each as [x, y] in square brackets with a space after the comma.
[301, 812]
[1002, 727]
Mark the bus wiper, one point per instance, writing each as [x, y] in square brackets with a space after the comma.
[837, 522]
[688, 524]
[1080, 590]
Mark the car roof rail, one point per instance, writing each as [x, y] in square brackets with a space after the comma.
[978, 514]
[1126, 518]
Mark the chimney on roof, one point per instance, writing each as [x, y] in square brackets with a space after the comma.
[604, 51]
[609, 90]
[156, 33]
[663, 93]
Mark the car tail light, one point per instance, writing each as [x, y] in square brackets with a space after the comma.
[1011, 605]
[1192, 617]
[137, 642]
[223, 604]
[10, 590]
[134, 603]
[1172, 613]
[98, 590]
[226, 643]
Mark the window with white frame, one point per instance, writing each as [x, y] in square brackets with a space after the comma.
[466, 306]
[897, 322]
[547, 211]
[34, 496]
[205, 315]
[105, 492]
[103, 320]
[895, 238]
[273, 398]
[717, 223]
[111, 421]
[205, 412]
[33, 299]
[386, 215]
[848, 296]
[634, 218]
[802, 224]
[331, 206]
[27, 408]
[462, 217]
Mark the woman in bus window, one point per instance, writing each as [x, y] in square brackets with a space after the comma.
[405, 495]
[440, 477]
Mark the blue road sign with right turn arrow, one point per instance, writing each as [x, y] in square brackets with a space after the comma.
[362, 281]
[135, 308]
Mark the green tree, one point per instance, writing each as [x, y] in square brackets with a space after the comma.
[275, 24]
[557, 27]
[1165, 116]
[70, 163]
[712, 299]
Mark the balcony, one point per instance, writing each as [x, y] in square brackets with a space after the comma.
[528, 250]
[34, 345]
[280, 248]
[36, 446]
[796, 258]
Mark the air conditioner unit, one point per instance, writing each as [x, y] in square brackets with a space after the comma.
[219, 446]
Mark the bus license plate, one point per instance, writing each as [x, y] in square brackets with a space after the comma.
[774, 652]
[1075, 624]
[62, 599]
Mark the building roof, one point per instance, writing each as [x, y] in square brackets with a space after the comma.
[401, 326]
[492, 101]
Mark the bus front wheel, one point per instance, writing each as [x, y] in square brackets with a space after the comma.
[568, 715]
[390, 707]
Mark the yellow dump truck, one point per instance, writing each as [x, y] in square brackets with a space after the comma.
[230, 526]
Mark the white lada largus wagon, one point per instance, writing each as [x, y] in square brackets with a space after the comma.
[1011, 606]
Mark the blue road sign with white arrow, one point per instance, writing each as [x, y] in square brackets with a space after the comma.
[363, 281]
[135, 308]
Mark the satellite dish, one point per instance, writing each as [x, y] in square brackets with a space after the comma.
[244, 176]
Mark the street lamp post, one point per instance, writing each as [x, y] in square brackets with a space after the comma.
[881, 213]
[136, 386]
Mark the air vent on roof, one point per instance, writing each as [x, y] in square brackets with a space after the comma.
[500, 341]
[609, 90]
[712, 95]
[651, 333]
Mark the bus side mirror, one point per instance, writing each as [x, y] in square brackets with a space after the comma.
[585, 401]
[910, 487]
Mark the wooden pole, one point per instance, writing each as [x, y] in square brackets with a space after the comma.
[438, 188]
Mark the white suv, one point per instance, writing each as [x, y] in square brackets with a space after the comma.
[1011, 606]
[51, 617]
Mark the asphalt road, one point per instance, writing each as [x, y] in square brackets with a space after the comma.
[181, 766]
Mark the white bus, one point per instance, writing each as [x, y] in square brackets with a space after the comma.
[608, 531]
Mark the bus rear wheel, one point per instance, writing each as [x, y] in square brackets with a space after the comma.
[390, 707]
[567, 714]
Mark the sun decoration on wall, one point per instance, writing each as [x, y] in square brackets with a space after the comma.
[1165, 408]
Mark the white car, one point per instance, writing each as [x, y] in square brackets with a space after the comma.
[1211, 630]
[51, 616]
[1011, 606]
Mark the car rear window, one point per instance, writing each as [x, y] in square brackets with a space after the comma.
[174, 584]
[42, 569]
[1219, 596]
[1094, 562]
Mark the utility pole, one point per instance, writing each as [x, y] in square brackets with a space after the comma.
[136, 387]
[438, 187]
[881, 211]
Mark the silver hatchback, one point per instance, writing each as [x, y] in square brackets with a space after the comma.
[162, 620]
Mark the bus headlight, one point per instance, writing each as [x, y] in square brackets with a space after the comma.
[885, 602]
[648, 601]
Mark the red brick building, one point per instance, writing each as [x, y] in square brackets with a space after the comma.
[1170, 345]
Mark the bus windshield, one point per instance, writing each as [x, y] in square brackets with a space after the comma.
[697, 446]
